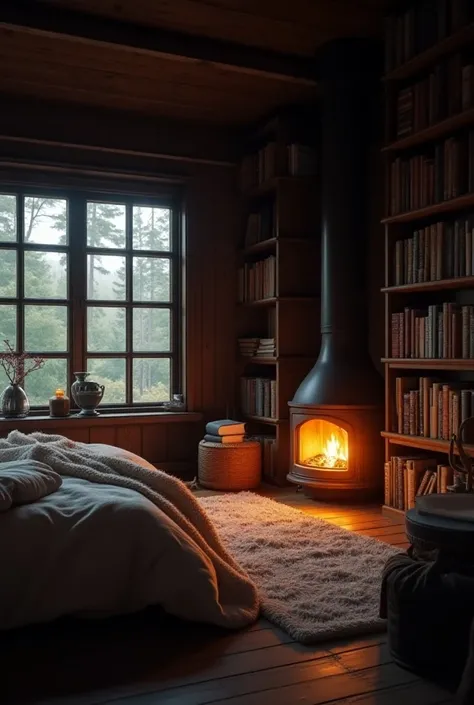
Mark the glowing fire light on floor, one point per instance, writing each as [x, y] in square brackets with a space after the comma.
[324, 445]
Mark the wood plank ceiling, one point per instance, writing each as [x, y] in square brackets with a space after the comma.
[218, 61]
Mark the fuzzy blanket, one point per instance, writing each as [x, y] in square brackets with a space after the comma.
[130, 532]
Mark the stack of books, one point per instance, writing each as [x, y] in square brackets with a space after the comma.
[266, 347]
[225, 431]
[248, 346]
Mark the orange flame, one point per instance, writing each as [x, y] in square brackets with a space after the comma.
[323, 444]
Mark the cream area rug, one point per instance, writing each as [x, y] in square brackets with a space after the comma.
[316, 580]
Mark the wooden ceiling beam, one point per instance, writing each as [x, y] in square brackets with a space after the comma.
[44, 18]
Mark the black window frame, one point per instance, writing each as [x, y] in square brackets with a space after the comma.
[77, 302]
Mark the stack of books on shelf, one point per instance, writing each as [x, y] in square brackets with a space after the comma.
[411, 32]
[430, 408]
[225, 431]
[248, 346]
[447, 91]
[443, 172]
[272, 161]
[442, 250]
[258, 396]
[257, 280]
[408, 477]
[268, 445]
[260, 225]
[266, 347]
[441, 331]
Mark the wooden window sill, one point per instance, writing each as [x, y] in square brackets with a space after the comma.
[32, 422]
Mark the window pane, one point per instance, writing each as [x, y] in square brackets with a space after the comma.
[45, 220]
[45, 275]
[105, 225]
[46, 329]
[105, 329]
[111, 373]
[106, 278]
[151, 279]
[41, 384]
[8, 273]
[151, 228]
[7, 218]
[7, 325]
[151, 380]
[151, 329]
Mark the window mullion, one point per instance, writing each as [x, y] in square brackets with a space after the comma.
[129, 299]
[77, 282]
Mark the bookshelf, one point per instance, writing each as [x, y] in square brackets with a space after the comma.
[278, 333]
[429, 243]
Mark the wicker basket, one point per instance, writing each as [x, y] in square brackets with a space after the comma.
[229, 466]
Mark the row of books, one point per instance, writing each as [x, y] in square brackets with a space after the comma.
[430, 408]
[421, 26]
[442, 331]
[408, 477]
[443, 250]
[446, 171]
[260, 224]
[275, 159]
[258, 396]
[257, 280]
[257, 347]
[268, 445]
[447, 91]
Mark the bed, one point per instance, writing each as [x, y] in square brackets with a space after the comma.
[116, 536]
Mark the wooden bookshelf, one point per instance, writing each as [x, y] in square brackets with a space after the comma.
[419, 181]
[438, 285]
[433, 132]
[428, 364]
[451, 206]
[454, 42]
[432, 445]
[292, 315]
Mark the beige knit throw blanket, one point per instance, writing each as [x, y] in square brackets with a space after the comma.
[235, 592]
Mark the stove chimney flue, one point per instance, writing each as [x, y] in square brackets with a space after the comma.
[344, 373]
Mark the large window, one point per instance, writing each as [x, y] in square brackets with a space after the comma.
[93, 283]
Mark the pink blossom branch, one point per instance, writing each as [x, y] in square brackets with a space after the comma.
[14, 364]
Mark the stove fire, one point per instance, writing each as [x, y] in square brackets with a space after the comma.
[323, 445]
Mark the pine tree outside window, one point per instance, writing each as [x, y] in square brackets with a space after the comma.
[93, 283]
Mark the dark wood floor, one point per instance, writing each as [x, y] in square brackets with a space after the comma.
[151, 659]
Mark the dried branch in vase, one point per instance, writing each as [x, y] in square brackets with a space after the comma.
[17, 366]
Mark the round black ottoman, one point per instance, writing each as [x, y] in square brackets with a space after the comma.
[428, 592]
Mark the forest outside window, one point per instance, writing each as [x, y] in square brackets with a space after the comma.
[93, 283]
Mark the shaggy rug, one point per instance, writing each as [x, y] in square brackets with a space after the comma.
[316, 580]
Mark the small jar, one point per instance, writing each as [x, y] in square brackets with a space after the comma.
[59, 405]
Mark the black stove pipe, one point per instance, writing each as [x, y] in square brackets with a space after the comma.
[344, 373]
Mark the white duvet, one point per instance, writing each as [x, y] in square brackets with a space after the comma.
[97, 547]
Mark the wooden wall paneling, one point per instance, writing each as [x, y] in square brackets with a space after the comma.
[130, 437]
[155, 443]
[103, 434]
[182, 440]
[81, 435]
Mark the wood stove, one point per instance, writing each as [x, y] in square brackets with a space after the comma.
[336, 414]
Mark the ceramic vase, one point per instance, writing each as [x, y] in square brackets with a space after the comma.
[87, 394]
[15, 404]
